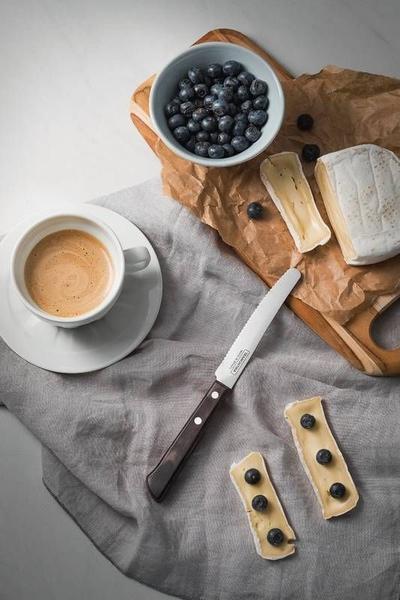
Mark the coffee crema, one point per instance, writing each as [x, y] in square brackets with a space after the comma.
[68, 273]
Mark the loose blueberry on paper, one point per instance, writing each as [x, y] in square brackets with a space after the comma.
[218, 111]
[310, 152]
[305, 122]
[254, 210]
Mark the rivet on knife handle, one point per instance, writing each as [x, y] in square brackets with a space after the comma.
[160, 477]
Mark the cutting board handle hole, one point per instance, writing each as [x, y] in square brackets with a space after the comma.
[385, 328]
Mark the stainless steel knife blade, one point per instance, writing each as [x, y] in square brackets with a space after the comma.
[249, 337]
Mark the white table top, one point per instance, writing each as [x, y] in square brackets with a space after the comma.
[67, 72]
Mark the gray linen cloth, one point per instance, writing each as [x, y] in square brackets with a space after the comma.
[103, 432]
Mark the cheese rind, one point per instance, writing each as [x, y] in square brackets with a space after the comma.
[308, 442]
[282, 175]
[360, 187]
[262, 522]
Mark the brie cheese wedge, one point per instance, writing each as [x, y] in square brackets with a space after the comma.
[273, 517]
[360, 187]
[282, 175]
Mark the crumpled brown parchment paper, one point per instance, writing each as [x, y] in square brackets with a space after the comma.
[349, 108]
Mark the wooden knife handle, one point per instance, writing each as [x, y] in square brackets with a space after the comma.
[160, 477]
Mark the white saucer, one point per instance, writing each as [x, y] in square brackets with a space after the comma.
[92, 346]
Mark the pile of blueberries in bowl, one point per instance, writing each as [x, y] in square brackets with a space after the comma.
[218, 111]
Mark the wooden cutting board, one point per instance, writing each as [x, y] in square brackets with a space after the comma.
[353, 340]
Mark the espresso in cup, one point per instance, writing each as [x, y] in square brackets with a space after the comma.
[68, 273]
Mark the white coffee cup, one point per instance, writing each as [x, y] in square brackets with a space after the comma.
[132, 259]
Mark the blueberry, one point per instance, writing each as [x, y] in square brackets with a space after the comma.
[214, 70]
[259, 503]
[261, 102]
[323, 456]
[241, 117]
[239, 143]
[186, 93]
[216, 151]
[310, 152]
[245, 78]
[275, 536]
[209, 123]
[254, 210]
[252, 476]
[208, 80]
[198, 102]
[337, 490]
[196, 75]
[239, 128]
[201, 90]
[182, 134]
[218, 80]
[209, 100]
[258, 117]
[187, 108]
[214, 137]
[242, 93]
[216, 88]
[252, 133]
[223, 138]
[246, 106]
[231, 67]
[202, 136]
[258, 87]
[176, 121]
[220, 107]
[190, 144]
[226, 94]
[201, 148]
[231, 82]
[233, 109]
[172, 108]
[184, 83]
[193, 126]
[225, 123]
[305, 122]
[228, 149]
[199, 114]
[307, 421]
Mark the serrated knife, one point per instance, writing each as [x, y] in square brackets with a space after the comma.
[226, 376]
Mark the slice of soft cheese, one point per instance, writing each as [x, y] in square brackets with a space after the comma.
[272, 517]
[308, 442]
[283, 176]
[360, 187]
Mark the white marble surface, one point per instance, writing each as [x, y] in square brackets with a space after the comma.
[67, 72]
